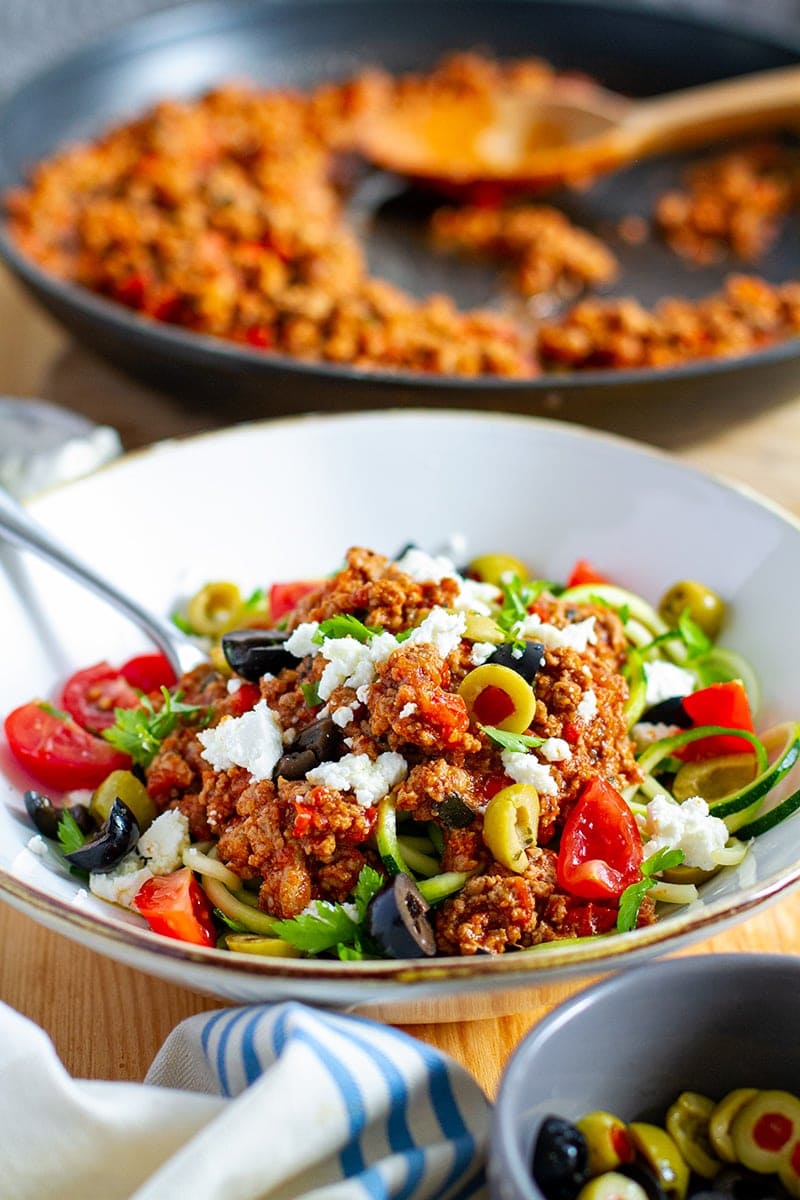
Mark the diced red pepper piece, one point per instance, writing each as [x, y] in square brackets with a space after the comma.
[719, 704]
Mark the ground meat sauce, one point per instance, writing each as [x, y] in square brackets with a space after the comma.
[226, 215]
[303, 839]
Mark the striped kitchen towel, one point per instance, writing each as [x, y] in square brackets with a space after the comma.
[274, 1102]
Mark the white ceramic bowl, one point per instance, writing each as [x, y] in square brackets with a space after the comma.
[285, 499]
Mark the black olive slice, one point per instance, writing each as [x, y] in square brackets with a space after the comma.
[527, 663]
[43, 813]
[398, 923]
[321, 738]
[252, 653]
[454, 812]
[560, 1159]
[296, 765]
[670, 711]
[641, 1174]
[118, 835]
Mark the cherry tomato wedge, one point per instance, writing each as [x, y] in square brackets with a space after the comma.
[585, 572]
[719, 704]
[148, 672]
[57, 751]
[601, 847]
[91, 695]
[177, 906]
[283, 597]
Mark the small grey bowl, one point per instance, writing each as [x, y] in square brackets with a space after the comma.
[632, 1043]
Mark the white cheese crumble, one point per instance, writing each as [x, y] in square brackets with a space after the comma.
[121, 885]
[342, 716]
[481, 653]
[587, 708]
[407, 710]
[370, 781]
[524, 768]
[665, 680]
[232, 686]
[476, 596]
[164, 842]
[644, 733]
[426, 568]
[301, 642]
[252, 741]
[687, 827]
[442, 629]
[572, 637]
[555, 750]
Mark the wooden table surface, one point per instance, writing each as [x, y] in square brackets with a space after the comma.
[107, 1020]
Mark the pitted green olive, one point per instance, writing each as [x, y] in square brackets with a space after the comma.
[664, 1158]
[511, 825]
[687, 1125]
[719, 1124]
[705, 607]
[124, 786]
[495, 568]
[497, 696]
[612, 1186]
[713, 778]
[765, 1130]
[214, 608]
[607, 1139]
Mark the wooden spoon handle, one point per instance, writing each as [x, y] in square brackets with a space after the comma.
[724, 109]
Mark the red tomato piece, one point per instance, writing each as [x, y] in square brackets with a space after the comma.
[247, 697]
[57, 751]
[177, 906]
[283, 597]
[585, 572]
[719, 704]
[91, 695]
[601, 847]
[148, 672]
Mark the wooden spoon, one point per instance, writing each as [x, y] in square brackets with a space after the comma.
[520, 140]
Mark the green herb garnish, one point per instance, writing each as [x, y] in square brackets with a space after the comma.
[234, 926]
[311, 694]
[181, 622]
[520, 743]
[631, 899]
[69, 834]
[345, 625]
[140, 731]
[695, 640]
[47, 707]
[257, 600]
[330, 925]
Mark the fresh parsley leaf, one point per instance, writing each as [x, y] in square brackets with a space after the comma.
[404, 635]
[140, 731]
[631, 899]
[369, 883]
[352, 953]
[327, 926]
[70, 837]
[697, 642]
[520, 743]
[181, 622]
[311, 694]
[345, 625]
[516, 598]
[256, 601]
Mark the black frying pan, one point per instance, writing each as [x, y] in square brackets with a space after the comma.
[626, 46]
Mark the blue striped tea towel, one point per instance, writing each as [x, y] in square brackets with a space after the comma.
[261, 1103]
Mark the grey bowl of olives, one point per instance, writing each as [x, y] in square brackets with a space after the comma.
[670, 1081]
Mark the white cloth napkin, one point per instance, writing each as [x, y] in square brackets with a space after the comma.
[259, 1103]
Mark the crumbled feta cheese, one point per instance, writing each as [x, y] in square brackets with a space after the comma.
[665, 680]
[575, 637]
[301, 642]
[644, 733]
[442, 629]
[688, 827]
[351, 663]
[252, 741]
[232, 686]
[587, 708]
[370, 781]
[121, 885]
[476, 596]
[481, 653]
[426, 568]
[555, 750]
[407, 710]
[164, 842]
[342, 716]
[525, 768]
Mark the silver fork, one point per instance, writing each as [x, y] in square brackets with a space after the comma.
[19, 528]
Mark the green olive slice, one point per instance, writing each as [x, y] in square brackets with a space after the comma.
[714, 778]
[719, 1124]
[664, 1158]
[765, 1130]
[687, 1125]
[497, 696]
[511, 825]
[612, 1186]
[606, 1139]
[496, 568]
[124, 786]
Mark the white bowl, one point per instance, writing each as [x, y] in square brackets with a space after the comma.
[285, 499]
